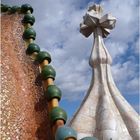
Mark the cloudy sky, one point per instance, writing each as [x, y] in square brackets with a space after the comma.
[57, 27]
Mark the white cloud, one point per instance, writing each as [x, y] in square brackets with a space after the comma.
[123, 71]
[116, 48]
[126, 13]
[126, 77]
[136, 46]
[133, 84]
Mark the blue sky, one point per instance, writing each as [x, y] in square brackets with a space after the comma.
[57, 27]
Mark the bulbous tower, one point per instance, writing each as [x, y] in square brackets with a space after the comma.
[104, 112]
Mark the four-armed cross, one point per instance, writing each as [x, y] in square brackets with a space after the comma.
[94, 19]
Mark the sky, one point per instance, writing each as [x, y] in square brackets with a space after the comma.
[57, 28]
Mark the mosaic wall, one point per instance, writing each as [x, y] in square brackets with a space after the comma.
[23, 108]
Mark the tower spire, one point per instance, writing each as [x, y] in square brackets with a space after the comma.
[104, 112]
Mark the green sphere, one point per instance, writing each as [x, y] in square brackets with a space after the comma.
[28, 18]
[26, 7]
[29, 33]
[13, 9]
[48, 72]
[43, 56]
[64, 132]
[4, 8]
[53, 92]
[89, 138]
[58, 113]
[32, 47]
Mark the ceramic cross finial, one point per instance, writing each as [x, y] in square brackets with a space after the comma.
[94, 18]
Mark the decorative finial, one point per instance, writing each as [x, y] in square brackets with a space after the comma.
[94, 19]
[96, 7]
